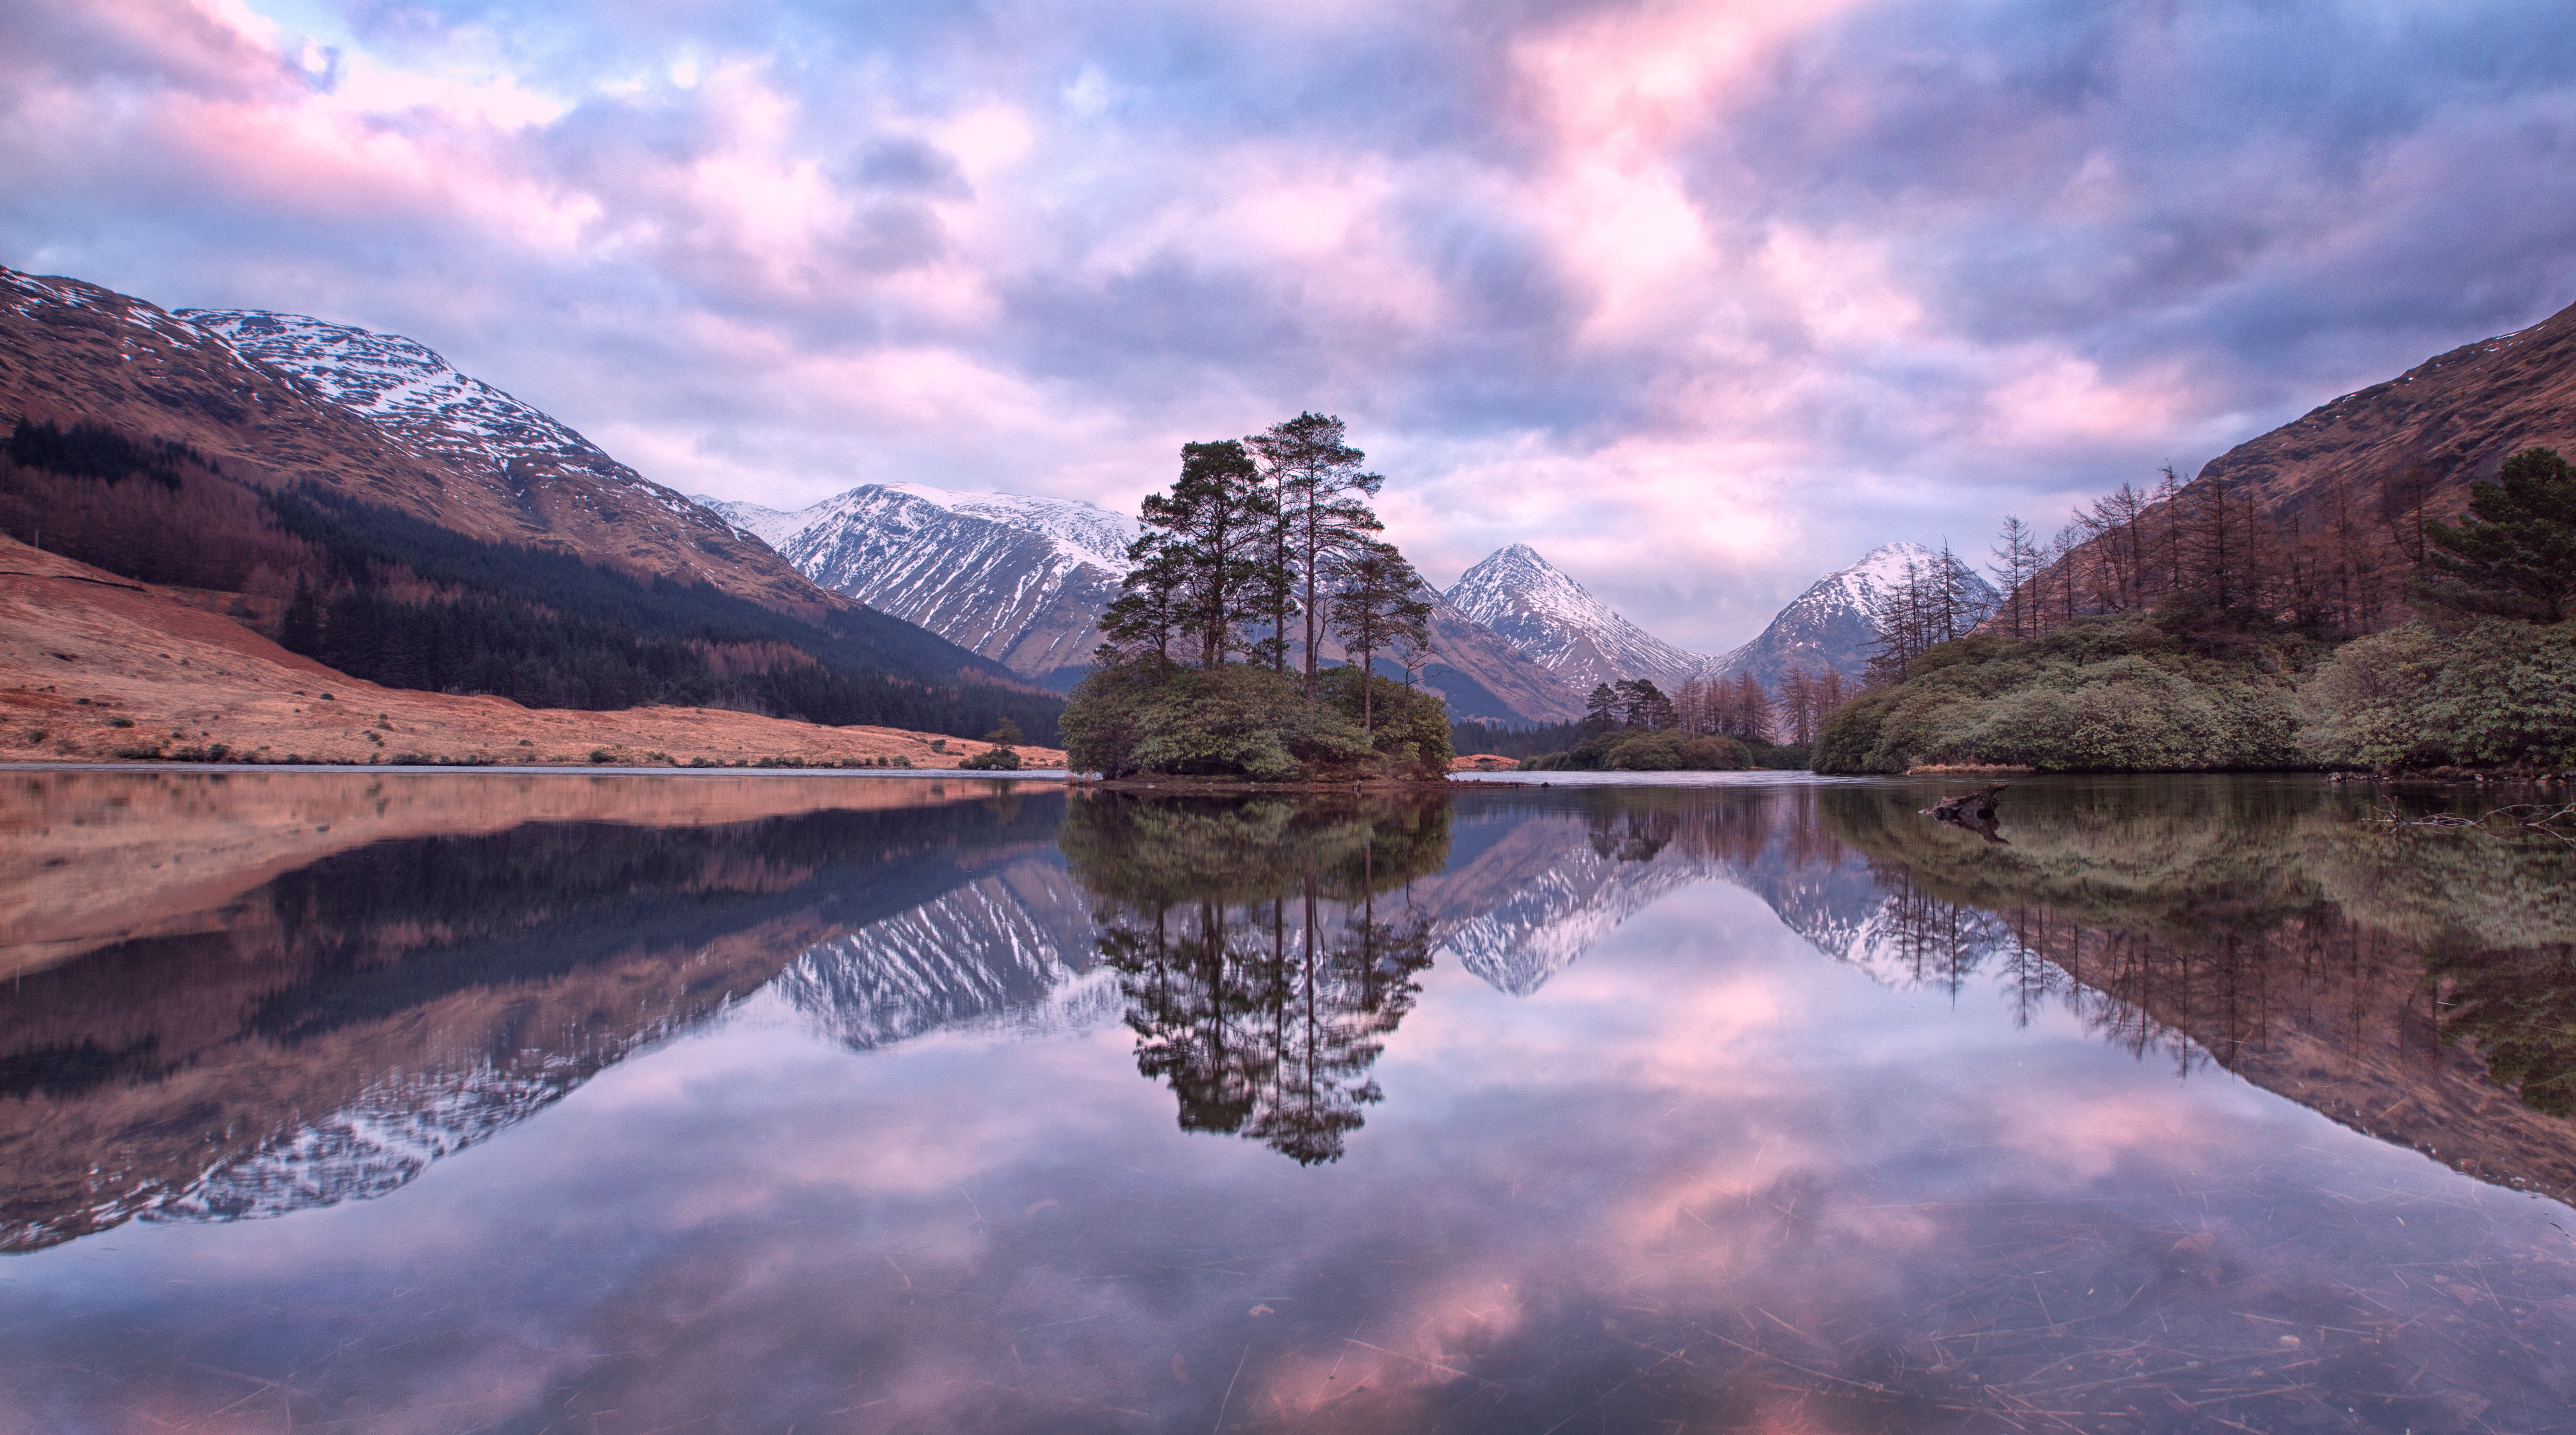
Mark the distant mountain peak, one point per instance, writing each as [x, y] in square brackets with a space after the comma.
[1834, 624]
[1555, 622]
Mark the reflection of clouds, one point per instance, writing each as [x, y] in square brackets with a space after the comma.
[1701, 1141]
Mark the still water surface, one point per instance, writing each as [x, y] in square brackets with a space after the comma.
[441, 1102]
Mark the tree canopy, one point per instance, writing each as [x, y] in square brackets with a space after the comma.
[2513, 554]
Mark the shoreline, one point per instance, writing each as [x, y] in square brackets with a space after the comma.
[935, 774]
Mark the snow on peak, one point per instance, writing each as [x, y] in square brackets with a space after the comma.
[406, 387]
[1081, 532]
[1097, 533]
[1555, 622]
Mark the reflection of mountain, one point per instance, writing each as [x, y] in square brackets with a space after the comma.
[1524, 907]
[1527, 906]
[1006, 942]
[326, 1036]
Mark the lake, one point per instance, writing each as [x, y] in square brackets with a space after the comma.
[471, 1102]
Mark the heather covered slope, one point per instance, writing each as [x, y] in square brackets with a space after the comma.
[450, 538]
[2459, 415]
[278, 400]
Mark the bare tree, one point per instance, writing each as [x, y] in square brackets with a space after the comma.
[2017, 563]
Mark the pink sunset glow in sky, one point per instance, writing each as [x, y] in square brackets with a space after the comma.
[1701, 300]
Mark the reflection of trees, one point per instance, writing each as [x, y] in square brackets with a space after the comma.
[1260, 975]
[2398, 981]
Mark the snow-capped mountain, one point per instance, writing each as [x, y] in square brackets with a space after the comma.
[1023, 579]
[1018, 579]
[526, 477]
[1550, 619]
[1016, 943]
[1832, 624]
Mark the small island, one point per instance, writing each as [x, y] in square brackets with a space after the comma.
[1264, 549]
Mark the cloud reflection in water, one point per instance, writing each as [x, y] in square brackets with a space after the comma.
[1699, 1172]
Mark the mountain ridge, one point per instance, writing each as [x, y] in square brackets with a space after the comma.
[1832, 625]
[1557, 623]
[1022, 580]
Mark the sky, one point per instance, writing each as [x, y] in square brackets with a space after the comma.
[1700, 300]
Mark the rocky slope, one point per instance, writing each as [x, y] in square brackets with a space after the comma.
[1830, 626]
[276, 399]
[1016, 579]
[1550, 619]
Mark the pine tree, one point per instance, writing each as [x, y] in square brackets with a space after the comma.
[1380, 604]
[1213, 521]
[1319, 491]
[1147, 617]
[2513, 554]
[1601, 709]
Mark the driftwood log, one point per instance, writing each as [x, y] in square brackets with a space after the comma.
[1974, 811]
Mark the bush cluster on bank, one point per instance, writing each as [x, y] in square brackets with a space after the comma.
[2128, 693]
[1631, 750]
[2166, 693]
[2477, 692]
[1250, 722]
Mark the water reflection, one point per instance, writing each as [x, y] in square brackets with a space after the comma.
[1260, 977]
[2415, 984]
[852, 1107]
[326, 1034]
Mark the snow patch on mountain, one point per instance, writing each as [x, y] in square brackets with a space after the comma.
[1002, 948]
[407, 388]
[1016, 578]
[1552, 620]
[1834, 624]
[769, 525]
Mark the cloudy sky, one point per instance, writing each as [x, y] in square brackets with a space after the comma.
[1699, 299]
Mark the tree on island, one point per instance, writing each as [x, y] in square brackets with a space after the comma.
[1601, 709]
[1380, 605]
[1186, 683]
[1317, 485]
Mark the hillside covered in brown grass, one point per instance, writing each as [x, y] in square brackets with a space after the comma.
[97, 668]
[523, 563]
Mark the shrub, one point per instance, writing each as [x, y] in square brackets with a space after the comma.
[1000, 759]
[1249, 722]
[2482, 691]
[1628, 750]
[2118, 694]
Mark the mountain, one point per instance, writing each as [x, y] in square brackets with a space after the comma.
[1022, 580]
[1831, 624]
[2341, 489]
[1019, 580]
[455, 539]
[2459, 414]
[1550, 619]
[279, 398]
